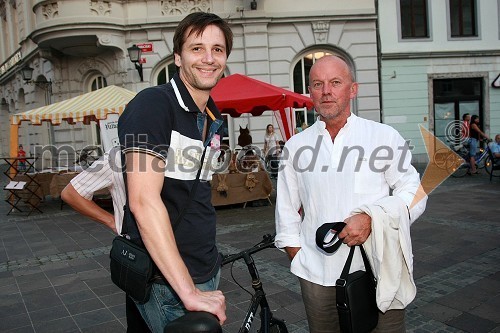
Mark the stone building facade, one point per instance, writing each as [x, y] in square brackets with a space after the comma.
[81, 45]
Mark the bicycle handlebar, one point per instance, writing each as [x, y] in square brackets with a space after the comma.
[266, 242]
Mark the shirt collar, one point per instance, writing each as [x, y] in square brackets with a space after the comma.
[321, 125]
[186, 101]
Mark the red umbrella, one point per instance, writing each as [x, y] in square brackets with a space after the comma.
[237, 94]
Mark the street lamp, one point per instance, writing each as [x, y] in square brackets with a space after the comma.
[134, 53]
[27, 74]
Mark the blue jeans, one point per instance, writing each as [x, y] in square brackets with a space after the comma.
[473, 143]
[165, 306]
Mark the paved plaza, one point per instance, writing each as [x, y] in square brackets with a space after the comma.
[54, 267]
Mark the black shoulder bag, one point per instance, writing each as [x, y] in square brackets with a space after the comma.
[132, 268]
[356, 292]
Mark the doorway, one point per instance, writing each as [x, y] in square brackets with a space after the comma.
[452, 99]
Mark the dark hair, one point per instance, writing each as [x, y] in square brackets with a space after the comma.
[464, 116]
[473, 118]
[196, 23]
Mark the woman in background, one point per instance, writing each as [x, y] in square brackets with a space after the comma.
[475, 135]
[271, 150]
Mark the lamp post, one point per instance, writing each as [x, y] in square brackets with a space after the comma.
[27, 74]
[134, 53]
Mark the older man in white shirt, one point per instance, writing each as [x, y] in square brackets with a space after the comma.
[329, 170]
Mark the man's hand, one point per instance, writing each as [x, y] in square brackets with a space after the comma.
[358, 228]
[208, 301]
[291, 251]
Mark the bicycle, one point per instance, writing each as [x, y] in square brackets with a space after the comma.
[250, 159]
[457, 162]
[198, 322]
[268, 323]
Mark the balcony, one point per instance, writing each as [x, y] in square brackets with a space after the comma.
[79, 27]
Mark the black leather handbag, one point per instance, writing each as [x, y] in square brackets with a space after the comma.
[132, 269]
[356, 297]
[356, 292]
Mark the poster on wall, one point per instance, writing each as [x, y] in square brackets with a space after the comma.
[109, 132]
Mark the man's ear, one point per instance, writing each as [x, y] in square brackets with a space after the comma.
[177, 59]
[354, 89]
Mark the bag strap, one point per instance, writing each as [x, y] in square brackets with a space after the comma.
[334, 244]
[179, 218]
[345, 271]
[191, 193]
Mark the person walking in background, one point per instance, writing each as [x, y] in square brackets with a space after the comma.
[341, 178]
[163, 132]
[271, 148]
[475, 136]
[104, 173]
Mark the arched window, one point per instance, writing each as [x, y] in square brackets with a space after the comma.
[302, 68]
[300, 81]
[97, 82]
[165, 72]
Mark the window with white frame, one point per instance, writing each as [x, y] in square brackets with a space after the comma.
[302, 68]
[98, 82]
[165, 72]
[300, 82]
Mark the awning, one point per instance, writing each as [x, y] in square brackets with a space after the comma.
[237, 94]
[94, 105]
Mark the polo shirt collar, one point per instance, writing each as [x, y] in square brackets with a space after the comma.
[186, 101]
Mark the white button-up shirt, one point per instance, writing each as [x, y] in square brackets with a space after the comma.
[104, 173]
[322, 181]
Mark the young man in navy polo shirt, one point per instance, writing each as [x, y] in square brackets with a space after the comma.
[163, 132]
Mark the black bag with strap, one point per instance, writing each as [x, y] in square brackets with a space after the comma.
[356, 297]
[356, 292]
[132, 268]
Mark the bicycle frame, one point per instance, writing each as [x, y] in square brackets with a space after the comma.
[259, 297]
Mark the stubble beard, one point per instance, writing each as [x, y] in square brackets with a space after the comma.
[330, 113]
[197, 82]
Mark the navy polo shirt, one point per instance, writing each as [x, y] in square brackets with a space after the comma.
[162, 121]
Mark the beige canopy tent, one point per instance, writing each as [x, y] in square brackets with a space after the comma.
[95, 105]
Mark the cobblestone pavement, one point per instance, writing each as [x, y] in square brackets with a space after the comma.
[54, 274]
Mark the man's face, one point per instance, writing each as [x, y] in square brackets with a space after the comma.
[331, 87]
[497, 139]
[203, 59]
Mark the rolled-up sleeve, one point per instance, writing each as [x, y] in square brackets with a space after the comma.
[405, 180]
[288, 204]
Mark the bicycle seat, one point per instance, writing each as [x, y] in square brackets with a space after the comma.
[194, 322]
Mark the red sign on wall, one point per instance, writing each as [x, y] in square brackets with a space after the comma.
[145, 47]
